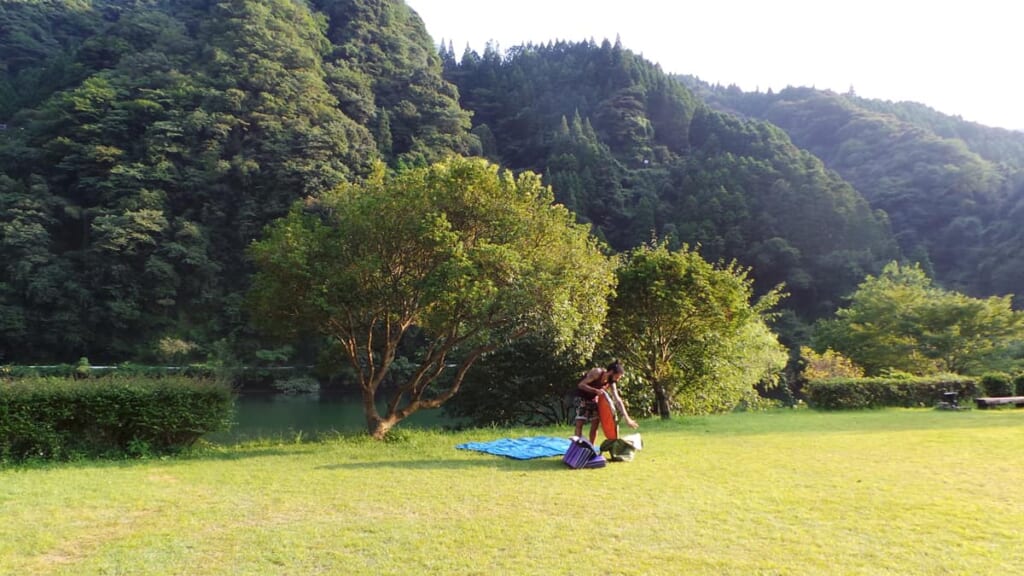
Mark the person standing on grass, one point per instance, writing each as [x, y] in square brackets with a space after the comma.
[594, 382]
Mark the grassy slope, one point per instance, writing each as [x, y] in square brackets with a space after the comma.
[889, 492]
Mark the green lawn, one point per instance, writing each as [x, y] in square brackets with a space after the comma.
[886, 492]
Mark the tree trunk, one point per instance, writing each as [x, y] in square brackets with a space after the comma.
[376, 426]
[661, 399]
[379, 427]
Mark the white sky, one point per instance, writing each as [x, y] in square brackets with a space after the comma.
[959, 57]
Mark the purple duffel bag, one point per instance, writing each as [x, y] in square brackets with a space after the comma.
[582, 454]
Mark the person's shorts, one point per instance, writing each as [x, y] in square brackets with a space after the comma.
[586, 410]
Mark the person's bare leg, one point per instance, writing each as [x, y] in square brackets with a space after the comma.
[579, 428]
[593, 430]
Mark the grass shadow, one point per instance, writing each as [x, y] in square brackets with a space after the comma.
[496, 463]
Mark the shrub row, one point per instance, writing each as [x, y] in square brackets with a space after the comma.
[1002, 384]
[84, 370]
[854, 393]
[62, 418]
[257, 377]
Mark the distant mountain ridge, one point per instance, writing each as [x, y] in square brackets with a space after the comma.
[952, 188]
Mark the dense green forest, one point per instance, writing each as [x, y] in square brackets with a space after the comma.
[147, 143]
[954, 190]
[634, 152]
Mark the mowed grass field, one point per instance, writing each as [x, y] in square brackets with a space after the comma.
[786, 492]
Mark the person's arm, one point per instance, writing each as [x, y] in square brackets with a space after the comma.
[589, 377]
[622, 406]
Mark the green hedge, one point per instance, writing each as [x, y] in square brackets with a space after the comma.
[997, 384]
[84, 370]
[240, 376]
[62, 418]
[855, 393]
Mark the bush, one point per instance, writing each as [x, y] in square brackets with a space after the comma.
[53, 371]
[83, 370]
[858, 393]
[297, 385]
[61, 418]
[1018, 384]
[996, 384]
[828, 364]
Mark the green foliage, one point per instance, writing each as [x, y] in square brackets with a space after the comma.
[996, 384]
[525, 383]
[996, 145]
[749, 194]
[385, 72]
[899, 320]
[828, 364]
[688, 329]
[626, 119]
[297, 385]
[946, 184]
[149, 143]
[635, 154]
[470, 256]
[54, 370]
[175, 349]
[1003, 262]
[860, 393]
[60, 418]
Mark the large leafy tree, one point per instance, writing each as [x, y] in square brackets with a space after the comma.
[688, 328]
[900, 321]
[465, 256]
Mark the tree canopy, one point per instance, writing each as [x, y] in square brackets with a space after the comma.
[947, 185]
[900, 321]
[462, 256]
[635, 153]
[147, 143]
[689, 330]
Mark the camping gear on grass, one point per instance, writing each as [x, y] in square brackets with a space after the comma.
[622, 449]
[524, 448]
[582, 454]
[607, 415]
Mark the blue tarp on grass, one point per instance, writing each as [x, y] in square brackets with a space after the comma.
[521, 448]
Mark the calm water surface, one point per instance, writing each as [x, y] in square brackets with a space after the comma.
[279, 416]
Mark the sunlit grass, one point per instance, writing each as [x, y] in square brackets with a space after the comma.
[888, 492]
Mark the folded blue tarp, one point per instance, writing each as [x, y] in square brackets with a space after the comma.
[521, 448]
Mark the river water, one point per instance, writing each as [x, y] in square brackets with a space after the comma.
[289, 417]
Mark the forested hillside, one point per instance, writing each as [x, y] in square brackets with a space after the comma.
[144, 144]
[954, 190]
[636, 153]
[148, 143]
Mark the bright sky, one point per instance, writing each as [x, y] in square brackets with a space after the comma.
[960, 57]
